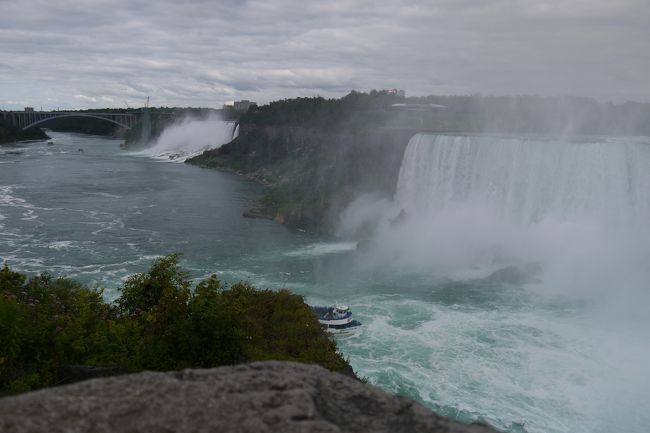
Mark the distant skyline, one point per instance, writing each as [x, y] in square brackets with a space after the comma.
[92, 54]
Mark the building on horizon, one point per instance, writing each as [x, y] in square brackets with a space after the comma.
[400, 93]
[242, 105]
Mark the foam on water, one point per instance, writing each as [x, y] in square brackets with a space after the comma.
[565, 354]
[60, 245]
[578, 209]
[534, 358]
[27, 247]
[534, 368]
[190, 137]
[322, 248]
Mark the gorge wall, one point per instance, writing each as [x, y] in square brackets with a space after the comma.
[313, 173]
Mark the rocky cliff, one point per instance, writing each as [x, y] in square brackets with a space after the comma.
[258, 397]
[312, 173]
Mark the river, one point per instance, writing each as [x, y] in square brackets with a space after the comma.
[473, 349]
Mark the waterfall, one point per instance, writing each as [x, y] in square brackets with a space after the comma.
[579, 209]
[550, 239]
[191, 137]
[525, 181]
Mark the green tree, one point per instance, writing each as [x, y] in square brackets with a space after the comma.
[157, 323]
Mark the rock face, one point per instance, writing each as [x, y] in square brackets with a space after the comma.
[517, 276]
[258, 397]
[77, 373]
[313, 173]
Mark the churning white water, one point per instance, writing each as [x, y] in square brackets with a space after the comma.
[519, 274]
[578, 209]
[566, 352]
[191, 137]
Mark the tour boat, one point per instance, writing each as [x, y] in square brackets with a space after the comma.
[336, 319]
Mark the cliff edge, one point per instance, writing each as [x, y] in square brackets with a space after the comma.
[312, 173]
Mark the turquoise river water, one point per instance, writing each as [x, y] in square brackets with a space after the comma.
[516, 354]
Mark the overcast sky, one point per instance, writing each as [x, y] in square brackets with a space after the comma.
[108, 53]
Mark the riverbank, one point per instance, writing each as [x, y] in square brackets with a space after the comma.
[10, 134]
[449, 341]
[316, 155]
[311, 174]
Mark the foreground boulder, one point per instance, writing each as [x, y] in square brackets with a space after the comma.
[258, 397]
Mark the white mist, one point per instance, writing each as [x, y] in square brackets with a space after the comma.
[564, 352]
[190, 137]
[581, 210]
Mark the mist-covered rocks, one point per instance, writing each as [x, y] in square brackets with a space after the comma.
[516, 275]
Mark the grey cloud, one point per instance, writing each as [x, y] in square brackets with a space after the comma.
[207, 53]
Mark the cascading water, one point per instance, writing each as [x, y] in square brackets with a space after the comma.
[526, 181]
[579, 208]
[520, 356]
[191, 137]
[559, 344]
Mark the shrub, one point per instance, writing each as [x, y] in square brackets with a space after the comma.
[158, 323]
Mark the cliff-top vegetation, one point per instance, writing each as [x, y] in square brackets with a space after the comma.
[460, 113]
[318, 154]
[160, 321]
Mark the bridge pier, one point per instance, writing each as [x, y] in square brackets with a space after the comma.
[146, 127]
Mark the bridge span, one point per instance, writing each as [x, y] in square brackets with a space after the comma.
[27, 119]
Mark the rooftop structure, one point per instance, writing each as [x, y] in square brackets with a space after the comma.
[242, 105]
[396, 92]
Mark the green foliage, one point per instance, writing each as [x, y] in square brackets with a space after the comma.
[356, 110]
[278, 325]
[462, 113]
[142, 292]
[9, 133]
[44, 323]
[318, 154]
[158, 323]
[313, 174]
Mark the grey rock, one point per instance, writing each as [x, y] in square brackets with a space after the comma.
[77, 373]
[515, 275]
[259, 397]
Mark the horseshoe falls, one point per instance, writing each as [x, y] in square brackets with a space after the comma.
[519, 275]
[578, 211]
[527, 181]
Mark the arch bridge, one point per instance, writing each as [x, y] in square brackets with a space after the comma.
[27, 119]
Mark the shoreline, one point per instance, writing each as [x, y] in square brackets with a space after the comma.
[25, 141]
[255, 212]
[6, 143]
